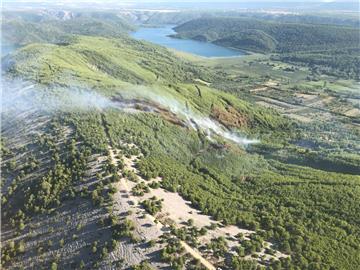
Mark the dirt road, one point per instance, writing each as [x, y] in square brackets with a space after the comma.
[129, 165]
[197, 256]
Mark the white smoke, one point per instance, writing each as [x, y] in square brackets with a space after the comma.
[211, 127]
[194, 120]
[19, 96]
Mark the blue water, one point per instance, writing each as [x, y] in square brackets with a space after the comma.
[161, 36]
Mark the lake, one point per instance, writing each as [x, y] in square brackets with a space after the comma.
[160, 36]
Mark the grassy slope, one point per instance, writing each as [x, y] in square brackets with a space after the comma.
[119, 66]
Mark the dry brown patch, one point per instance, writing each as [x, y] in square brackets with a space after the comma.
[307, 97]
[263, 88]
[229, 117]
[353, 112]
[272, 83]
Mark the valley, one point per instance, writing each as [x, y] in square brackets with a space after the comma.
[124, 153]
[162, 36]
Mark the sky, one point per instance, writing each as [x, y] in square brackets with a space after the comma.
[172, 1]
[186, 4]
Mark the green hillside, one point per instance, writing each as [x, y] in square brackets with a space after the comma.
[289, 37]
[21, 31]
[113, 65]
[329, 49]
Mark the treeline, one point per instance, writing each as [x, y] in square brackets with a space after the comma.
[267, 36]
[325, 49]
[308, 19]
[344, 63]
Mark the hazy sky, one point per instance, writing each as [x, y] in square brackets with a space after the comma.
[185, 4]
[178, 1]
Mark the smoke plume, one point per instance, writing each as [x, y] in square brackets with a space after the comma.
[19, 96]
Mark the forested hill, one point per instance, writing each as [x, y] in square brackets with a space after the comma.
[268, 36]
[21, 28]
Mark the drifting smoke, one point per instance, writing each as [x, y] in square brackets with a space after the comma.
[212, 127]
[19, 96]
[195, 121]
